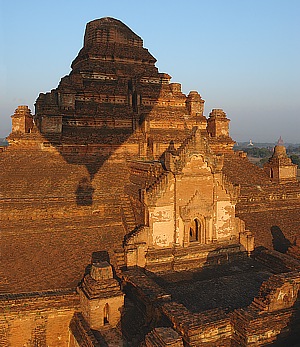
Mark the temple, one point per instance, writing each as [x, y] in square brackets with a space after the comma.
[127, 218]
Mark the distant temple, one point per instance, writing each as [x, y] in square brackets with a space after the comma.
[280, 141]
[127, 219]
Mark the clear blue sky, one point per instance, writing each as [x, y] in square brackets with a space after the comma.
[241, 55]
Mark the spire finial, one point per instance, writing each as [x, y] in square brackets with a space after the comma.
[280, 141]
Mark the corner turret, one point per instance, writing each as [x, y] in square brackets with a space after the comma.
[218, 131]
[195, 107]
[280, 167]
[22, 120]
[218, 123]
[195, 104]
[101, 298]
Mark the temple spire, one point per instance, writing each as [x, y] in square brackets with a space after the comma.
[280, 167]
[280, 141]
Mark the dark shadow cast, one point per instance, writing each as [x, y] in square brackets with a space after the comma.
[106, 99]
[218, 283]
[84, 192]
[97, 257]
[99, 337]
[100, 256]
[139, 315]
[279, 241]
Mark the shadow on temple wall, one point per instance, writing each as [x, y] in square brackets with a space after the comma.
[133, 321]
[97, 257]
[218, 282]
[84, 192]
[100, 256]
[102, 103]
[140, 315]
[279, 241]
[92, 147]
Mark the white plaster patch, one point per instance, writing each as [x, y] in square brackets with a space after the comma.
[160, 215]
[225, 214]
[161, 240]
[162, 222]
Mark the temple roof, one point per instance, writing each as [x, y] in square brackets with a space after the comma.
[111, 39]
[109, 29]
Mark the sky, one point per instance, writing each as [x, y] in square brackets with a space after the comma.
[241, 55]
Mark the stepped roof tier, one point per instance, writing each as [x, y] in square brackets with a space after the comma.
[114, 84]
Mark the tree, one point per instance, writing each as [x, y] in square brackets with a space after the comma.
[295, 159]
[258, 152]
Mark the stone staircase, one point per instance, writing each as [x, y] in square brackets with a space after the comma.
[153, 192]
[127, 214]
[118, 260]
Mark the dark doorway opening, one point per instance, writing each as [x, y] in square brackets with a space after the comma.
[106, 314]
[195, 230]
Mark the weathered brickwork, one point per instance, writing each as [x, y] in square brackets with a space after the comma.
[128, 220]
[36, 319]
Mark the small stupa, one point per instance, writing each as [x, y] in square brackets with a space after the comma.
[280, 167]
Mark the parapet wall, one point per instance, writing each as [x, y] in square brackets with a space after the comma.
[37, 319]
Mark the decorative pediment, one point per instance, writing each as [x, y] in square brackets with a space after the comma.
[195, 145]
[196, 206]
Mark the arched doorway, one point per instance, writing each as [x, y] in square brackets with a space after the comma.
[106, 314]
[195, 230]
[150, 147]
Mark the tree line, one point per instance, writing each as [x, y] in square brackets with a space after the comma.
[266, 152]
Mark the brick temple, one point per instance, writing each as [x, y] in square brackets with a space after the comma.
[127, 219]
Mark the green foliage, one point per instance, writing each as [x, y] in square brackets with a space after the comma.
[258, 152]
[295, 159]
[293, 149]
